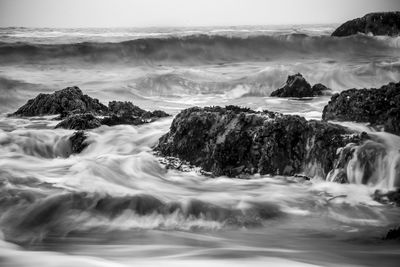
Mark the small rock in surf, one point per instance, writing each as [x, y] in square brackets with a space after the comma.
[297, 86]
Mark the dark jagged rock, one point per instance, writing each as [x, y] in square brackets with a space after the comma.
[379, 107]
[80, 122]
[78, 142]
[80, 112]
[127, 113]
[63, 102]
[233, 141]
[380, 23]
[297, 86]
[393, 234]
[118, 113]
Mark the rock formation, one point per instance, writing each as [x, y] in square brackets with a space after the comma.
[381, 23]
[379, 107]
[78, 142]
[81, 112]
[84, 121]
[236, 141]
[297, 86]
[63, 102]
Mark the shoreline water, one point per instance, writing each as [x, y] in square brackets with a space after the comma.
[116, 202]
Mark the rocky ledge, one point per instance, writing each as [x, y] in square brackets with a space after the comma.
[63, 102]
[236, 141]
[380, 23]
[81, 112]
[379, 107]
[297, 86]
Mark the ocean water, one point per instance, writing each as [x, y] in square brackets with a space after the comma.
[114, 204]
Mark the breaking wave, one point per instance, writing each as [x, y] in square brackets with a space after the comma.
[204, 49]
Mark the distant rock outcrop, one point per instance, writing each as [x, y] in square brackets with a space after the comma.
[63, 102]
[380, 23]
[379, 107]
[81, 112]
[297, 86]
[236, 141]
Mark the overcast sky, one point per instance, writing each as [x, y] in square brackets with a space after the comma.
[144, 13]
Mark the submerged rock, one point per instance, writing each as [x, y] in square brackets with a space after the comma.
[297, 86]
[63, 102]
[380, 23]
[379, 107]
[78, 142]
[237, 141]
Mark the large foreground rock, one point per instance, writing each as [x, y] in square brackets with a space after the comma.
[234, 141]
[63, 102]
[297, 86]
[379, 107]
[381, 23]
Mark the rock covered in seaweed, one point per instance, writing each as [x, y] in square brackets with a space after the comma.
[234, 141]
[379, 23]
[63, 102]
[297, 86]
[379, 107]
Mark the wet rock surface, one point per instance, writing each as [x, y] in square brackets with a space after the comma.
[236, 141]
[127, 113]
[80, 122]
[63, 102]
[81, 112]
[297, 86]
[78, 142]
[380, 23]
[379, 107]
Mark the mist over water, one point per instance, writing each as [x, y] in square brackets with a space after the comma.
[115, 204]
